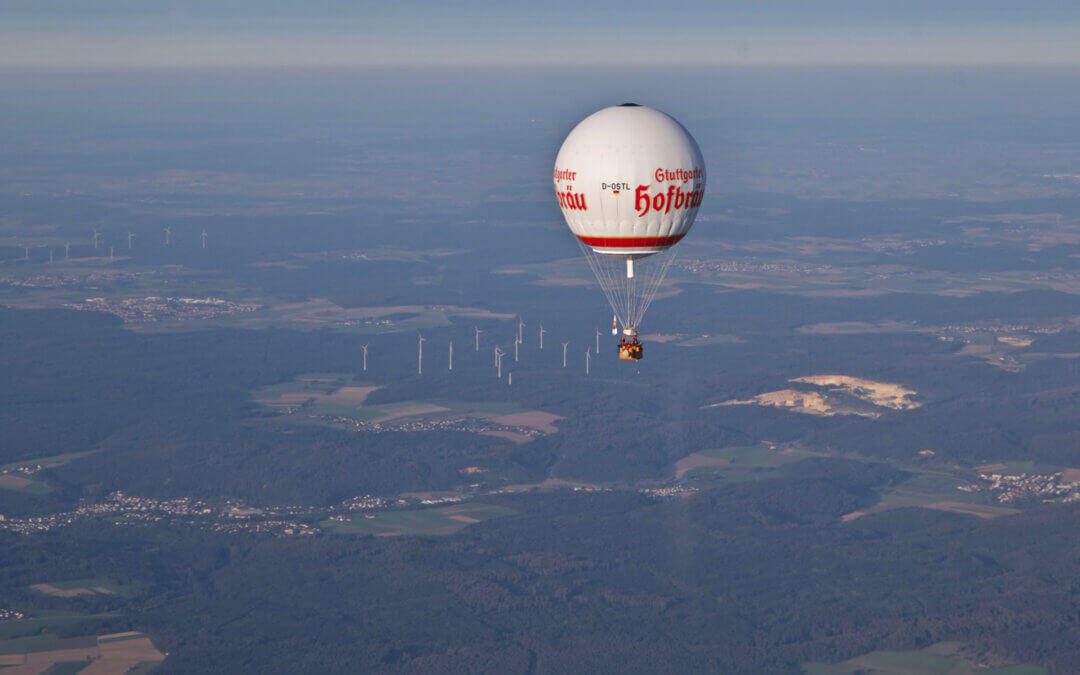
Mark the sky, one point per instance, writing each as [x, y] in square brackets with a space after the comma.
[343, 33]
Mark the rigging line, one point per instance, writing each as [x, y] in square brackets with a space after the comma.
[671, 254]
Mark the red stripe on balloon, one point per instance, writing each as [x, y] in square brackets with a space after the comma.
[630, 242]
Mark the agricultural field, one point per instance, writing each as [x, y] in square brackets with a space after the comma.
[707, 467]
[22, 475]
[114, 654]
[438, 521]
[320, 313]
[93, 586]
[944, 658]
[334, 399]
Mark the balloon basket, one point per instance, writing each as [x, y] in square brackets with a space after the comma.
[631, 352]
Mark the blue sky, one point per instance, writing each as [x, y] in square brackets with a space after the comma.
[183, 33]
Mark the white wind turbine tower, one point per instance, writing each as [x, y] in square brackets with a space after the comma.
[50, 255]
[420, 354]
[364, 347]
[509, 378]
[97, 239]
[168, 233]
[542, 331]
[498, 361]
[564, 345]
[517, 343]
[112, 252]
[521, 325]
[597, 340]
[131, 240]
[586, 361]
[67, 250]
[478, 331]
[26, 252]
[204, 238]
[451, 355]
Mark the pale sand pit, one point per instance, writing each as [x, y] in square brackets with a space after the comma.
[696, 461]
[1070, 475]
[1015, 341]
[49, 589]
[986, 468]
[880, 394]
[408, 411]
[463, 519]
[969, 350]
[980, 510]
[14, 482]
[809, 402]
[541, 421]
[508, 435]
[883, 394]
[11, 660]
[957, 292]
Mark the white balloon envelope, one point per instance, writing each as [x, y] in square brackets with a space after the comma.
[629, 181]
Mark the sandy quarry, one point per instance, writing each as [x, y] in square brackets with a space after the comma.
[880, 394]
[883, 394]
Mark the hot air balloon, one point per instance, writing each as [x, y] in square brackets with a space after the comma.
[629, 180]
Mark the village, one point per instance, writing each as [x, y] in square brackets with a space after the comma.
[154, 308]
[1007, 488]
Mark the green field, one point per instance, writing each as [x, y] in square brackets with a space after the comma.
[48, 462]
[437, 521]
[322, 386]
[26, 634]
[111, 585]
[753, 462]
[927, 488]
[924, 662]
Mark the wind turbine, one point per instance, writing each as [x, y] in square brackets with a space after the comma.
[420, 354]
[478, 331]
[50, 255]
[97, 238]
[26, 252]
[521, 325]
[498, 361]
[451, 355]
[586, 361]
[509, 378]
[564, 353]
[112, 252]
[131, 240]
[364, 347]
[67, 250]
[204, 238]
[517, 343]
[597, 340]
[542, 331]
[168, 232]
